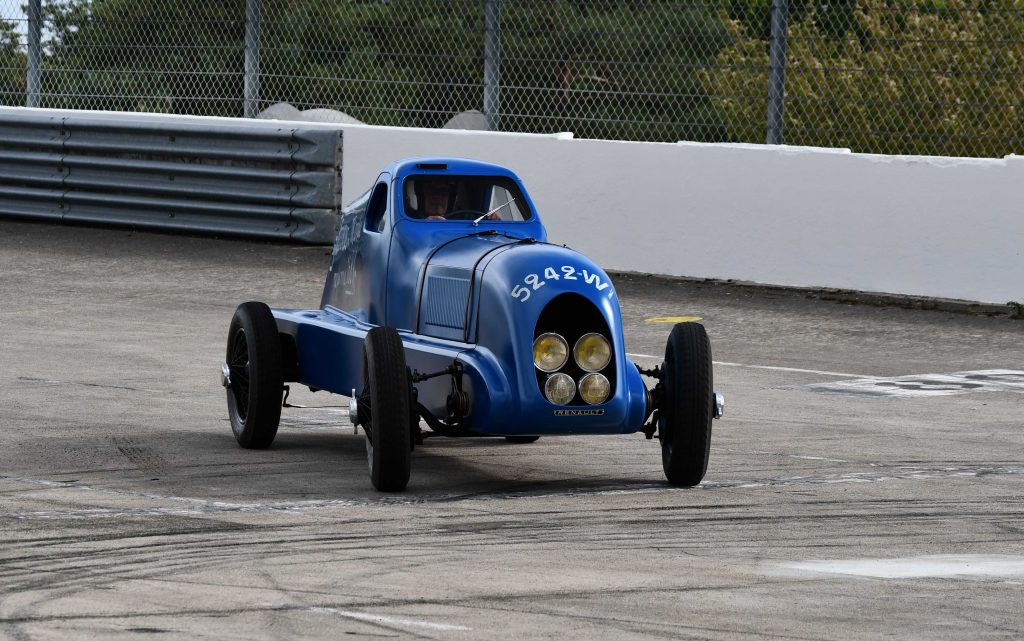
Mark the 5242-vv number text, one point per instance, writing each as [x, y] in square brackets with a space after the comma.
[533, 282]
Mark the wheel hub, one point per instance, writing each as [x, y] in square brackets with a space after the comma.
[353, 412]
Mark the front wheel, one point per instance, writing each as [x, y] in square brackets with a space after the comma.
[388, 432]
[688, 405]
[253, 376]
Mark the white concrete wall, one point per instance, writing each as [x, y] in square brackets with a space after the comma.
[939, 227]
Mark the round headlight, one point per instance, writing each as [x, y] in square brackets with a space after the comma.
[592, 352]
[594, 388]
[560, 388]
[550, 352]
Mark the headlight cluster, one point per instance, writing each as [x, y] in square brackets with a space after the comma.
[592, 353]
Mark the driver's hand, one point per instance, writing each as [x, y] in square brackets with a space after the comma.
[436, 218]
[494, 217]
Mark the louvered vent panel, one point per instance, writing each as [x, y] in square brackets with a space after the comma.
[446, 302]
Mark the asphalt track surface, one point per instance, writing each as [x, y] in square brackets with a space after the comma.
[128, 511]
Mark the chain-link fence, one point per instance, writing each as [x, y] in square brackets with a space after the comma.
[939, 77]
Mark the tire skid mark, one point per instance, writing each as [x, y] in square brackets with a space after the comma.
[199, 506]
[363, 616]
[159, 560]
[107, 564]
[75, 571]
[46, 568]
[141, 456]
[47, 382]
[499, 602]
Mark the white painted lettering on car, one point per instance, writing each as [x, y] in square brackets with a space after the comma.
[533, 282]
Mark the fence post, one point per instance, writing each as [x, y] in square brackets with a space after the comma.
[35, 29]
[777, 79]
[252, 58]
[492, 62]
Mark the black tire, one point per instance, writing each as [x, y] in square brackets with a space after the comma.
[389, 433]
[521, 439]
[254, 360]
[687, 406]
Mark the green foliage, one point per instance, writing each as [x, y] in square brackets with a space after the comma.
[611, 69]
[145, 55]
[401, 63]
[931, 77]
[833, 18]
[886, 76]
[1016, 309]
[595, 68]
[12, 66]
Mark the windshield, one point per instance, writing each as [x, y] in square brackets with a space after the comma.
[484, 198]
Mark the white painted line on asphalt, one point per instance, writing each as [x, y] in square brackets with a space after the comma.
[647, 356]
[911, 386]
[790, 369]
[926, 385]
[767, 367]
[932, 566]
[384, 620]
[818, 458]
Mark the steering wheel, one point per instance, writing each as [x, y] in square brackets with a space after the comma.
[464, 214]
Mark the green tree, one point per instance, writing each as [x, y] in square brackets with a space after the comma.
[403, 62]
[606, 69]
[145, 55]
[931, 77]
[12, 66]
[609, 69]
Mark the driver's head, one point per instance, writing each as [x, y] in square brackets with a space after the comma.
[435, 198]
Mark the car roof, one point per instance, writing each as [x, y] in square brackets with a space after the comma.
[442, 165]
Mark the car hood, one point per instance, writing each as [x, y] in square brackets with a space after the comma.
[450, 282]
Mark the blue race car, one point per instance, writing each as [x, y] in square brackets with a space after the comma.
[445, 303]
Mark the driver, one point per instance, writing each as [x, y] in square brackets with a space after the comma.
[437, 203]
[435, 200]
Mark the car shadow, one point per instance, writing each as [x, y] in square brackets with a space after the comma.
[330, 464]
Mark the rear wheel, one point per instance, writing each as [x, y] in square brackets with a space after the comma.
[687, 406]
[388, 431]
[253, 376]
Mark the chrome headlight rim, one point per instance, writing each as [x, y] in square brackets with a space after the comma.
[559, 376]
[595, 376]
[565, 358]
[608, 347]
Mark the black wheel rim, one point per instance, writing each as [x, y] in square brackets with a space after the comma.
[364, 401]
[238, 364]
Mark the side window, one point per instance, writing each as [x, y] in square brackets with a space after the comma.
[376, 208]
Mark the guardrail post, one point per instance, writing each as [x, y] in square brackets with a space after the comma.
[492, 62]
[35, 29]
[252, 58]
[777, 79]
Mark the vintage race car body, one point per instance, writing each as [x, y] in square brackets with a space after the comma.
[445, 304]
[467, 293]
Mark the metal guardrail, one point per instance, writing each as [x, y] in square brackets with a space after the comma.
[255, 179]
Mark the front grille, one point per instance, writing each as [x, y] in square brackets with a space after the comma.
[571, 316]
